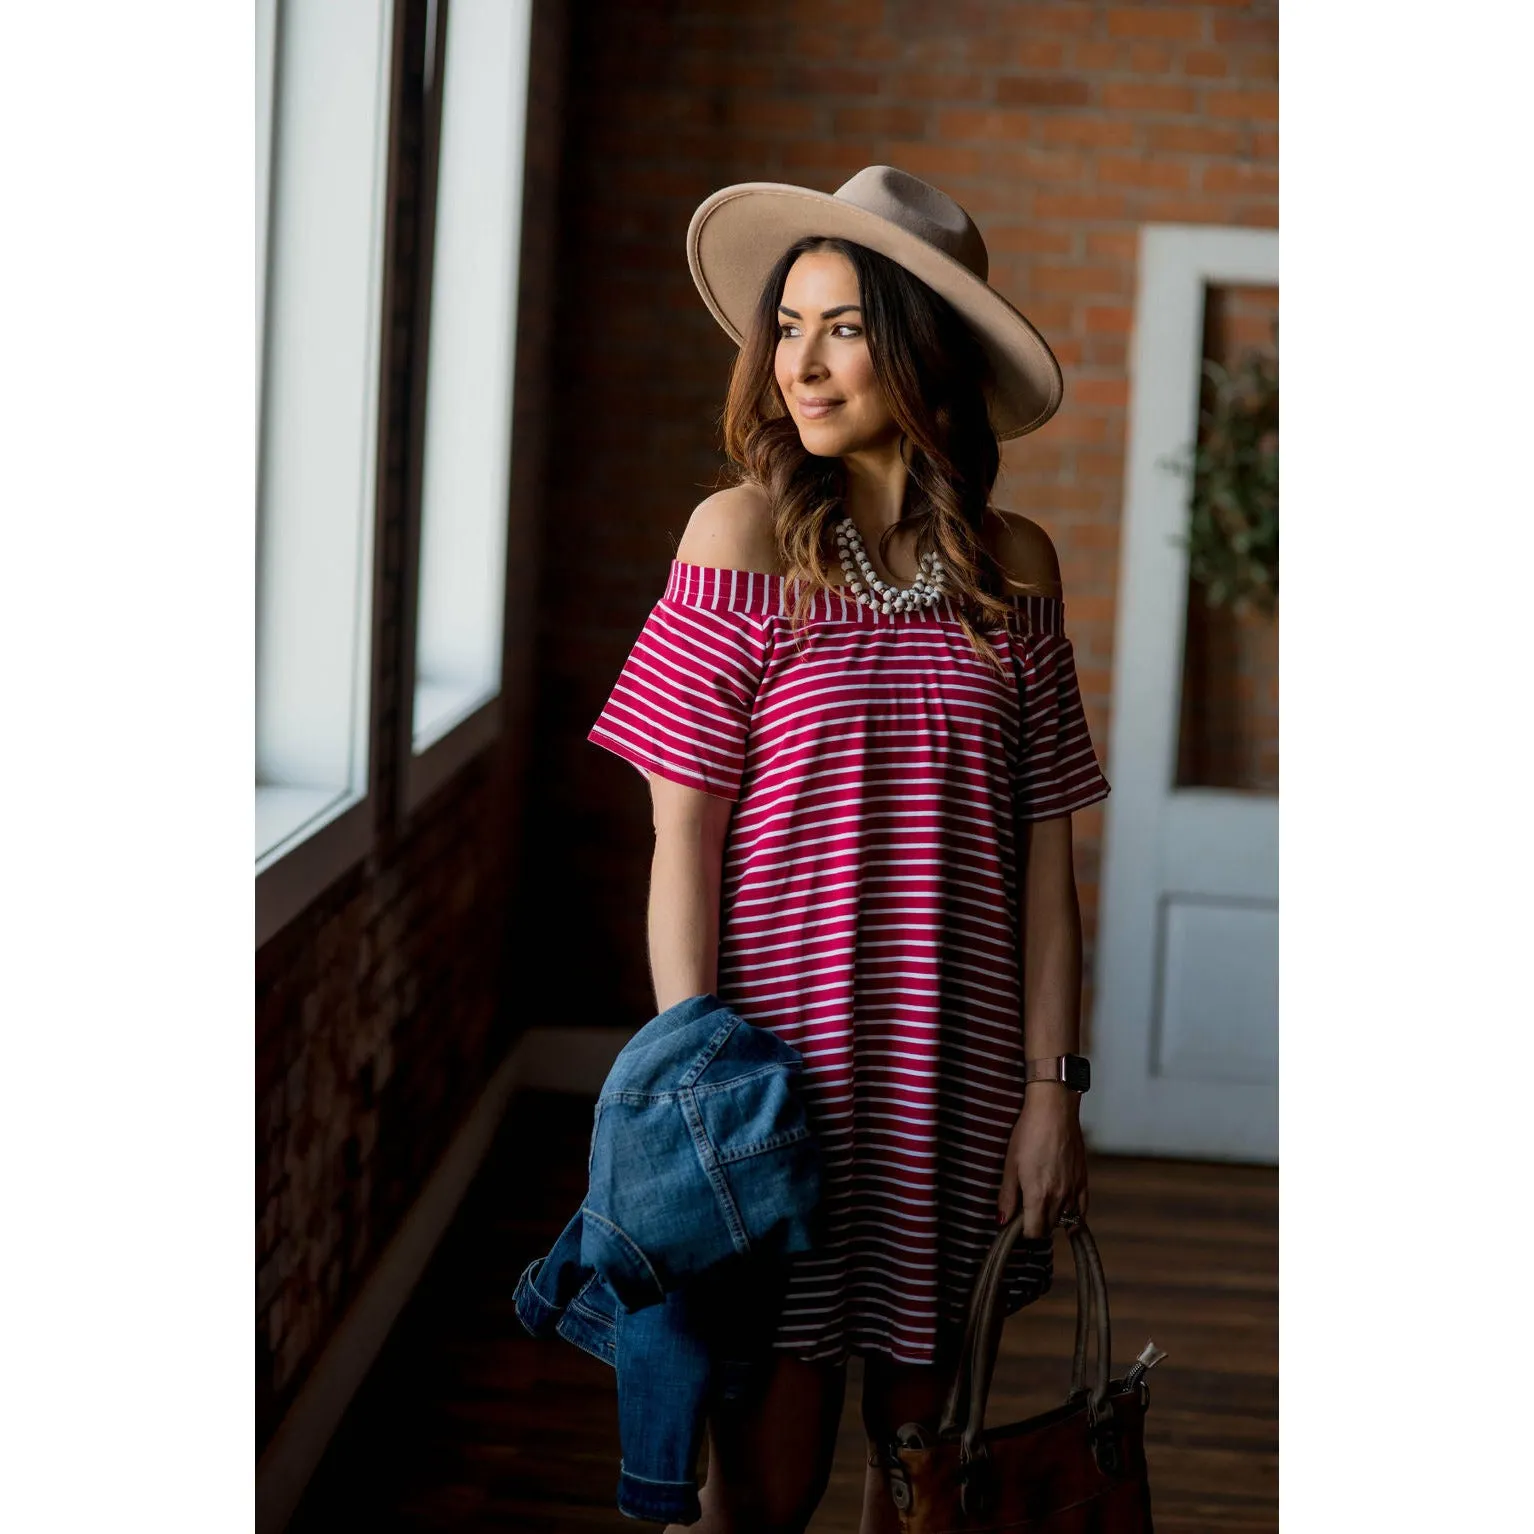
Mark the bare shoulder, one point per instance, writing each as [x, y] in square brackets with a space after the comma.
[1023, 550]
[732, 530]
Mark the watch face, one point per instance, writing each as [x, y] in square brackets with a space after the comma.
[1078, 1073]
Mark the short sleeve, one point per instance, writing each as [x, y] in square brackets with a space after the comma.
[682, 703]
[1057, 771]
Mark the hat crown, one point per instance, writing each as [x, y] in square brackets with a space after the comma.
[921, 209]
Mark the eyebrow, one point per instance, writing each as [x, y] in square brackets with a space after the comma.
[826, 314]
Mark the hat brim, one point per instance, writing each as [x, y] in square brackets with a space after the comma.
[738, 233]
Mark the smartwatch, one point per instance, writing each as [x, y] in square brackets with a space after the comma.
[1074, 1071]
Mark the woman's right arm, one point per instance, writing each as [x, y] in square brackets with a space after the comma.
[731, 529]
[690, 831]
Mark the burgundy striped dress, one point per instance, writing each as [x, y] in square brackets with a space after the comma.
[869, 911]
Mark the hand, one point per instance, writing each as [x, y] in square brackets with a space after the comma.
[1046, 1161]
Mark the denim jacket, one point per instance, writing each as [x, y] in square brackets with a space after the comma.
[703, 1177]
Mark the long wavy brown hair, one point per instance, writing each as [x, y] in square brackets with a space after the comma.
[934, 375]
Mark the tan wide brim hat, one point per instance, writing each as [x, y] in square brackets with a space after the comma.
[738, 234]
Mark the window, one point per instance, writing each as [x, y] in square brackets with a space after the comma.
[320, 304]
[456, 653]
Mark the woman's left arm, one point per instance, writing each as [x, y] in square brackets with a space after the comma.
[1046, 1156]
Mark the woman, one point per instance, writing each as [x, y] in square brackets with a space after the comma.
[859, 719]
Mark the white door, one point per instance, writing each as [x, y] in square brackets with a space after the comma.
[1184, 1035]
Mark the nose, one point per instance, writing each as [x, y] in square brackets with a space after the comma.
[808, 363]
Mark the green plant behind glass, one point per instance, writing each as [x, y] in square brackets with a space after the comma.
[1232, 540]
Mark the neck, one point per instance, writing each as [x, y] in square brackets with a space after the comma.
[875, 487]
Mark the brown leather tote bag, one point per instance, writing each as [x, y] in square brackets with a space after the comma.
[1079, 1469]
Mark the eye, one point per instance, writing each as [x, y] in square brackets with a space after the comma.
[856, 330]
[784, 331]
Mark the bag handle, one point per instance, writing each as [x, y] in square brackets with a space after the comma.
[964, 1410]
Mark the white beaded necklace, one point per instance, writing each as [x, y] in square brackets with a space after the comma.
[926, 589]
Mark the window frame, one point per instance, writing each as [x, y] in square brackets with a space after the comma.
[422, 771]
[335, 836]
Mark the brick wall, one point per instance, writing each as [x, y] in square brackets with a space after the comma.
[1060, 126]
[382, 1011]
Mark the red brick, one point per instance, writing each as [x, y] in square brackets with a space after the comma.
[1253, 105]
[1043, 91]
[821, 80]
[1205, 63]
[936, 85]
[1265, 146]
[805, 43]
[983, 125]
[901, 122]
[837, 13]
[1150, 59]
[1258, 64]
[934, 160]
[1058, 497]
[1032, 53]
[1192, 138]
[1072, 20]
[876, 45]
[983, 198]
[1095, 280]
[1185, 210]
[1054, 167]
[1090, 607]
[936, 48]
[1067, 350]
[1079, 205]
[707, 71]
[1166, 175]
[1030, 239]
[1101, 391]
[1051, 316]
[772, 116]
[1109, 320]
[1181, 23]
[830, 155]
[1079, 427]
[1237, 177]
[1256, 215]
[1090, 132]
[1036, 453]
[1126, 96]
[1097, 57]
[1113, 245]
[1261, 30]
[1107, 467]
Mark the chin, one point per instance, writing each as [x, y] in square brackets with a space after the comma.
[824, 445]
[823, 440]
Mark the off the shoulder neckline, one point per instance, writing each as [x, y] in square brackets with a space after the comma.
[763, 593]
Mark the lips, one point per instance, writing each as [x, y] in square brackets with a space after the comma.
[814, 409]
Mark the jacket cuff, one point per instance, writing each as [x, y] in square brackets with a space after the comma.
[535, 1313]
[664, 1501]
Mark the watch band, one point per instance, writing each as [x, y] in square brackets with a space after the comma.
[1074, 1072]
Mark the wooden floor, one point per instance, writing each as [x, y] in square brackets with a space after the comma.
[467, 1423]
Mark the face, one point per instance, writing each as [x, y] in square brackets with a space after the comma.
[823, 366]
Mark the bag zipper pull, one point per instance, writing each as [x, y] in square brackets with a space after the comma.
[1150, 1356]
